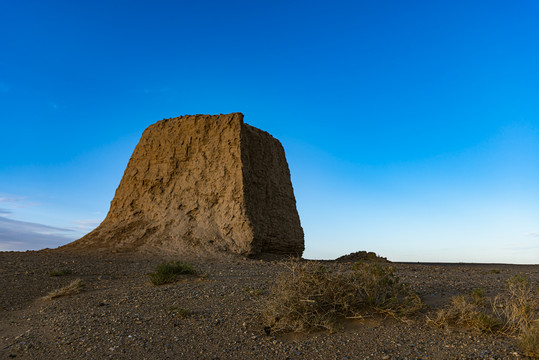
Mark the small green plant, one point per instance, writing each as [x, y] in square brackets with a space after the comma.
[60, 272]
[495, 271]
[73, 288]
[478, 296]
[180, 311]
[312, 297]
[205, 276]
[255, 292]
[166, 273]
[486, 323]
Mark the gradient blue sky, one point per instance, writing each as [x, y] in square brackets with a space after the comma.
[411, 127]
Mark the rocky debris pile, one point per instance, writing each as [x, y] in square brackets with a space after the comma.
[203, 183]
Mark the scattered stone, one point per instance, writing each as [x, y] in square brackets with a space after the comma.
[65, 328]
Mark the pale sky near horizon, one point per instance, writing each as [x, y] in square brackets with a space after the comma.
[411, 129]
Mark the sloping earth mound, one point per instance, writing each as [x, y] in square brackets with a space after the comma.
[361, 256]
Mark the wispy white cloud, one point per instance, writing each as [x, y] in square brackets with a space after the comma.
[10, 198]
[4, 212]
[16, 225]
[532, 234]
[16, 202]
[87, 224]
[12, 246]
[22, 235]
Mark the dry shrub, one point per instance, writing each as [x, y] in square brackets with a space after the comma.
[74, 287]
[528, 340]
[466, 311]
[381, 290]
[312, 297]
[512, 313]
[518, 307]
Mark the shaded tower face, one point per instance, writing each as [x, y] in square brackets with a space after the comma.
[203, 182]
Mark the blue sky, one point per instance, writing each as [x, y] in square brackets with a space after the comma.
[411, 128]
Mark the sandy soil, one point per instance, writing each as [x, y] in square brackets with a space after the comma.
[120, 315]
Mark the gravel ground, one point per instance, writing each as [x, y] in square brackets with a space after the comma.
[120, 315]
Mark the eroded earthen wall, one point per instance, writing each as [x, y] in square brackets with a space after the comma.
[269, 198]
[203, 182]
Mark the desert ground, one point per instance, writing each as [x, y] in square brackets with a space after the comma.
[121, 315]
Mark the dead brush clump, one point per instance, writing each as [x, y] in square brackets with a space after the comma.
[528, 340]
[467, 312]
[74, 287]
[311, 297]
[513, 313]
[519, 308]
